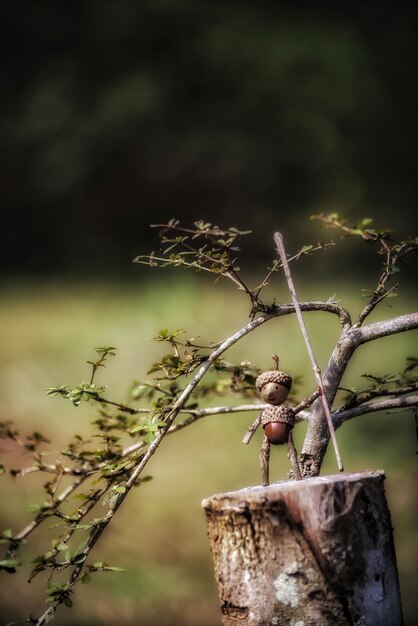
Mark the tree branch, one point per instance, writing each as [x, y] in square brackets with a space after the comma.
[168, 419]
[382, 405]
[197, 414]
[317, 437]
[281, 310]
[175, 410]
[362, 397]
[328, 307]
[384, 328]
[277, 265]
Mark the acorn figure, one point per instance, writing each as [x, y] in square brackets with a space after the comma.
[277, 420]
[274, 385]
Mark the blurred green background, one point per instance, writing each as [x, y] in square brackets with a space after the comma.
[118, 114]
[47, 333]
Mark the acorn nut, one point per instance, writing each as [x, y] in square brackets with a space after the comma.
[277, 422]
[274, 386]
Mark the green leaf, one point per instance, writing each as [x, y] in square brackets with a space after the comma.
[113, 501]
[138, 391]
[106, 350]
[136, 428]
[149, 437]
[83, 526]
[114, 569]
[54, 391]
[86, 579]
[34, 508]
[81, 496]
[9, 563]
[412, 363]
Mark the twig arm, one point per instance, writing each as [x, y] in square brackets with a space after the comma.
[251, 430]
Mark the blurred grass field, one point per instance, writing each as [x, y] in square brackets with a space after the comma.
[49, 330]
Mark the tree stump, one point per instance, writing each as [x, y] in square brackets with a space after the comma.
[314, 552]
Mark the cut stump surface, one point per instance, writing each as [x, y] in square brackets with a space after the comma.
[315, 552]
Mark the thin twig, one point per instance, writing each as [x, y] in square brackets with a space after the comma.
[380, 292]
[195, 415]
[306, 402]
[251, 430]
[41, 517]
[46, 617]
[121, 407]
[295, 257]
[316, 370]
[228, 266]
[215, 231]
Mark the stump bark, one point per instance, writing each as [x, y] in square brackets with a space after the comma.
[315, 552]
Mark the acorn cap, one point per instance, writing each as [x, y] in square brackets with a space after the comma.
[273, 376]
[281, 413]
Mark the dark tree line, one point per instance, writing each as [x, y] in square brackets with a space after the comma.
[117, 111]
